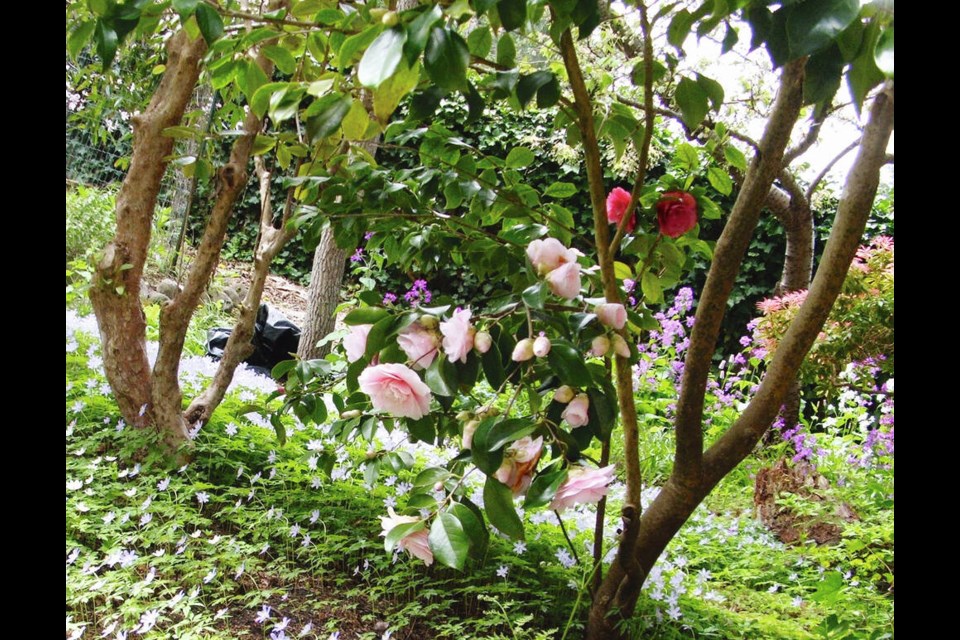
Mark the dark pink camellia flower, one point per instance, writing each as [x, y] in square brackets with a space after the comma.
[676, 213]
[618, 200]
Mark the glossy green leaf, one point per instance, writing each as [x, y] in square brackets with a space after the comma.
[366, 315]
[441, 377]
[79, 37]
[863, 74]
[822, 77]
[535, 296]
[544, 488]
[713, 89]
[446, 59]
[493, 366]
[106, 40]
[421, 501]
[735, 157]
[813, 24]
[210, 22]
[883, 54]
[253, 78]
[430, 476]
[568, 364]
[679, 28]
[498, 503]
[263, 96]
[356, 121]
[185, 7]
[513, 13]
[506, 51]
[281, 57]
[377, 337]
[400, 532]
[730, 39]
[693, 102]
[549, 94]
[472, 522]
[561, 190]
[507, 431]
[720, 180]
[652, 291]
[520, 157]
[418, 31]
[381, 58]
[389, 94]
[332, 109]
[529, 85]
[424, 103]
[448, 541]
[357, 43]
[480, 41]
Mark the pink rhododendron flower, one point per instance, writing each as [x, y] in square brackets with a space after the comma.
[396, 389]
[458, 335]
[617, 203]
[355, 342]
[416, 544]
[611, 314]
[576, 413]
[523, 351]
[548, 254]
[676, 213]
[582, 486]
[420, 344]
[519, 462]
[564, 281]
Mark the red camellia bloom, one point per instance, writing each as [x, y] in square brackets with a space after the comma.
[676, 213]
[617, 202]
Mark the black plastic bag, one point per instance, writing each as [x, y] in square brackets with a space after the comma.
[275, 339]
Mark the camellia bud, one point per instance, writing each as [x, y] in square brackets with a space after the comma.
[438, 487]
[390, 19]
[346, 415]
[541, 346]
[563, 394]
[600, 346]
[482, 342]
[429, 322]
[371, 454]
[523, 351]
[468, 430]
[612, 315]
[620, 346]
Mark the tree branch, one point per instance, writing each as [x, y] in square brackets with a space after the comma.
[823, 173]
[808, 140]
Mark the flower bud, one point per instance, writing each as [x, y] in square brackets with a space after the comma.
[482, 342]
[612, 315]
[600, 346]
[346, 415]
[390, 19]
[563, 394]
[429, 322]
[523, 351]
[576, 414]
[541, 346]
[620, 346]
[438, 486]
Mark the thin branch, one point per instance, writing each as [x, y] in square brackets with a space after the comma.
[808, 140]
[823, 173]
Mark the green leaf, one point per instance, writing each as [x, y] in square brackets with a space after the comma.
[850, 40]
[650, 284]
[418, 31]
[107, 41]
[486, 460]
[520, 157]
[813, 24]
[356, 43]
[263, 96]
[568, 364]
[735, 157]
[529, 85]
[822, 77]
[513, 13]
[535, 296]
[473, 526]
[400, 532]
[622, 271]
[602, 410]
[421, 501]
[883, 54]
[506, 51]
[498, 503]
[79, 37]
[730, 39]
[509, 430]
[543, 488]
[493, 366]
[446, 59]
[332, 109]
[639, 73]
[829, 588]
[720, 180]
[480, 41]
[185, 7]
[424, 103]
[449, 541]
[679, 28]
[431, 476]
[441, 377]
[713, 89]
[863, 74]
[210, 23]
[281, 57]
[381, 58]
[761, 23]
[366, 315]
[262, 144]
[687, 156]
[549, 94]
[693, 102]
[356, 121]
[377, 337]
[561, 190]
[253, 79]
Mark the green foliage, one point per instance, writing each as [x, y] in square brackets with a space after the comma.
[90, 220]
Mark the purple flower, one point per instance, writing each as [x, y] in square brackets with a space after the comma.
[389, 298]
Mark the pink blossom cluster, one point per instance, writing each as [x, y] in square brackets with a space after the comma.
[558, 264]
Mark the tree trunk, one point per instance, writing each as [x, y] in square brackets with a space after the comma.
[115, 294]
[678, 498]
[326, 277]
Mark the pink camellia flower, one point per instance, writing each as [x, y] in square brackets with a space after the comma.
[541, 346]
[416, 544]
[582, 486]
[396, 389]
[548, 254]
[576, 413]
[523, 351]
[420, 344]
[676, 213]
[564, 281]
[599, 346]
[620, 346]
[482, 341]
[355, 342]
[458, 335]
[611, 314]
[618, 201]
[519, 462]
